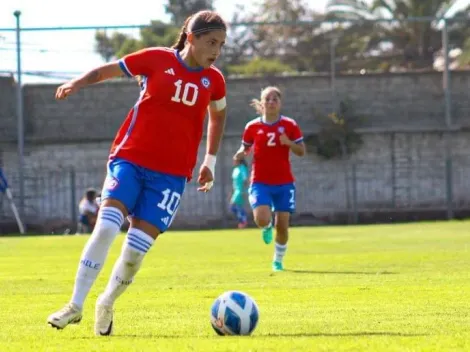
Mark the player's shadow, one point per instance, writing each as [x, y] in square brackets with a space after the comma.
[313, 334]
[346, 334]
[340, 272]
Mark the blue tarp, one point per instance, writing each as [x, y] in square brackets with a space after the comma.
[3, 182]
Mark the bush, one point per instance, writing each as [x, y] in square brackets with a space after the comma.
[337, 137]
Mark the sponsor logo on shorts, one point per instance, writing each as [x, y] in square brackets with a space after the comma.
[111, 183]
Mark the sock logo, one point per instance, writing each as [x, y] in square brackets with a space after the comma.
[90, 264]
[123, 282]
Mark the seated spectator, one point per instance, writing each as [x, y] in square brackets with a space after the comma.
[88, 209]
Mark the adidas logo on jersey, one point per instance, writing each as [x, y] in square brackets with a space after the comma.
[260, 132]
[165, 220]
[170, 71]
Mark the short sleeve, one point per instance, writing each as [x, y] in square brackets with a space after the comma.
[296, 134]
[218, 100]
[139, 62]
[247, 138]
[219, 90]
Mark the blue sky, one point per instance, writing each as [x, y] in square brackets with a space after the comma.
[63, 52]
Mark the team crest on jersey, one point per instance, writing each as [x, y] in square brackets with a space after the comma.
[281, 129]
[111, 183]
[205, 82]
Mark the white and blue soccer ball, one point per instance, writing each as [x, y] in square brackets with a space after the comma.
[234, 313]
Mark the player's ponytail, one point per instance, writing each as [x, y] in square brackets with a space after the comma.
[256, 104]
[181, 41]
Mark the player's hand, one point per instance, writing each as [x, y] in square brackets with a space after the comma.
[239, 156]
[285, 140]
[65, 90]
[205, 179]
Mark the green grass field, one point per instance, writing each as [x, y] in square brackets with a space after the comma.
[374, 288]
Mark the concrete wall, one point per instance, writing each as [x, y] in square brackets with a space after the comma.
[385, 101]
[393, 169]
[404, 171]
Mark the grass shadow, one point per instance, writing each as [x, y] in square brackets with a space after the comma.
[340, 272]
[316, 334]
[346, 334]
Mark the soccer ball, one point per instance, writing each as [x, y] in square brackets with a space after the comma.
[234, 313]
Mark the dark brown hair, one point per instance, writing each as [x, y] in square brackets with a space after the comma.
[90, 194]
[199, 23]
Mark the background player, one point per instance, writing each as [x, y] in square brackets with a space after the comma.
[237, 201]
[152, 156]
[272, 136]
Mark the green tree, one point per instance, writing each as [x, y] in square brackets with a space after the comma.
[260, 66]
[181, 9]
[238, 48]
[281, 41]
[118, 44]
[158, 33]
[410, 43]
[107, 46]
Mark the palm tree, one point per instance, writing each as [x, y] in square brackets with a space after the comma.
[416, 42]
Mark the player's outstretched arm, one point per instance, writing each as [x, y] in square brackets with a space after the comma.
[101, 73]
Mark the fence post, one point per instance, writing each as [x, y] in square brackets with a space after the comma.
[394, 170]
[73, 197]
[19, 116]
[346, 186]
[223, 186]
[447, 78]
[449, 188]
[354, 194]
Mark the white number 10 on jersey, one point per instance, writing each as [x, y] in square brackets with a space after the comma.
[190, 90]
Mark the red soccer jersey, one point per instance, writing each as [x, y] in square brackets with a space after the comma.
[271, 164]
[163, 130]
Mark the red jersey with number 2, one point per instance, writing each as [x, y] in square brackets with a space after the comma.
[163, 130]
[271, 163]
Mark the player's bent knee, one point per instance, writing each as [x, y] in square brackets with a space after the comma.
[114, 203]
[146, 227]
[262, 222]
[262, 216]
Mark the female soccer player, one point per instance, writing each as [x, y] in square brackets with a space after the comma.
[237, 201]
[272, 136]
[152, 156]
